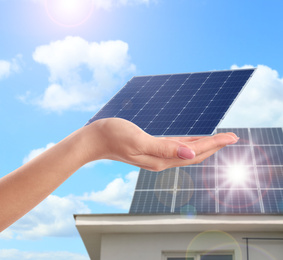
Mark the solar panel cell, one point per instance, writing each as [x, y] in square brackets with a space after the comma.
[188, 95]
[245, 178]
[236, 177]
[239, 201]
[273, 201]
[200, 177]
[152, 202]
[203, 201]
[267, 136]
[270, 177]
[269, 155]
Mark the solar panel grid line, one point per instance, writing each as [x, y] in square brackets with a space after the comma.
[165, 103]
[261, 192]
[113, 98]
[175, 189]
[155, 102]
[256, 173]
[239, 93]
[216, 185]
[264, 189]
[197, 189]
[127, 103]
[210, 100]
[148, 101]
[185, 108]
[155, 190]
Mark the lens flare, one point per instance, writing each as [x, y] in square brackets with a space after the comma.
[238, 175]
[69, 13]
[211, 241]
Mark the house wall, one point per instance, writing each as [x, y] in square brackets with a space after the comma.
[155, 246]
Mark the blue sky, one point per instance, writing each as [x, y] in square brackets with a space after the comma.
[60, 63]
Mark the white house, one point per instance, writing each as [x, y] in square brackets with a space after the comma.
[175, 237]
[230, 207]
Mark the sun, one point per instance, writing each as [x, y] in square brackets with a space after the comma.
[237, 175]
[69, 13]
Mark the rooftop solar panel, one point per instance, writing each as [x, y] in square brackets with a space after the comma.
[177, 104]
[244, 178]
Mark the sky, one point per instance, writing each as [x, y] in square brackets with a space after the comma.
[61, 60]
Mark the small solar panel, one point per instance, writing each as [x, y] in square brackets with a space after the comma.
[177, 104]
[244, 178]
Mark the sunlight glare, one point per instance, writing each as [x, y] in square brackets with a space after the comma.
[237, 174]
[69, 13]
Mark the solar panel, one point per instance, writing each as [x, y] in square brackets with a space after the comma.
[177, 104]
[244, 178]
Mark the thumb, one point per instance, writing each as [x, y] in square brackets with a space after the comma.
[169, 149]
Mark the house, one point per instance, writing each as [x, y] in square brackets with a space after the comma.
[229, 207]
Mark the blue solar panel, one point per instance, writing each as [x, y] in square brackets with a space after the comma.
[177, 104]
[239, 201]
[244, 178]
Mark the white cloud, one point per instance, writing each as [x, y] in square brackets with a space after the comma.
[118, 193]
[261, 103]
[5, 68]
[69, 60]
[15, 254]
[6, 234]
[52, 217]
[8, 67]
[92, 164]
[36, 152]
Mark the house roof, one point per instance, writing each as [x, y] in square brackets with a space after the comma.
[93, 226]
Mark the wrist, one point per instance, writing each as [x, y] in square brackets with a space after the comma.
[91, 142]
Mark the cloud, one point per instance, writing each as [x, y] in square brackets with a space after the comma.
[8, 67]
[260, 104]
[15, 254]
[52, 217]
[82, 73]
[5, 68]
[93, 163]
[118, 193]
[36, 152]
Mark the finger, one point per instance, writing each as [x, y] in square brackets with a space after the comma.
[184, 139]
[213, 142]
[168, 149]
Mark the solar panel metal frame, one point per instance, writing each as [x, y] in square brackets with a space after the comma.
[266, 187]
[192, 73]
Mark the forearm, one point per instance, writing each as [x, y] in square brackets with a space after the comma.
[114, 139]
[24, 188]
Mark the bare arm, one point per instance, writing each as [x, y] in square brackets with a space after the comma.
[114, 139]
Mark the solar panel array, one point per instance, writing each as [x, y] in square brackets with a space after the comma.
[177, 104]
[244, 178]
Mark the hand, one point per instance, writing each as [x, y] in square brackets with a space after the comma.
[111, 138]
[120, 140]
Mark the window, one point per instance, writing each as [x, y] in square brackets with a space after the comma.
[216, 257]
[199, 256]
[180, 258]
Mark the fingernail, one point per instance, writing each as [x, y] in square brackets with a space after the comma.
[235, 140]
[186, 153]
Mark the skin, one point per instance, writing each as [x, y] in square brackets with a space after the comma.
[111, 138]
